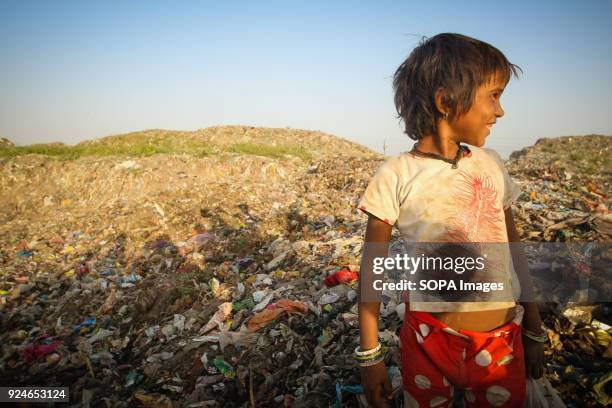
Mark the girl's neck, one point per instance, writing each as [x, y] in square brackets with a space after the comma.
[441, 146]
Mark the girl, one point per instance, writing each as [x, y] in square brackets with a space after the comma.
[447, 92]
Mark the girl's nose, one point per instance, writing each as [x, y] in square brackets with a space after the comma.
[499, 112]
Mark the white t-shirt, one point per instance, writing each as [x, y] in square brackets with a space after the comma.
[429, 201]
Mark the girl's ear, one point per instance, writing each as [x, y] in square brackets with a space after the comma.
[440, 98]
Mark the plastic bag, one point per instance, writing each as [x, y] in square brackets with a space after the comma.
[540, 394]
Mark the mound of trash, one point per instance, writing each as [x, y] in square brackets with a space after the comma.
[566, 188]
[220, 137]
[231, 279]
[5, 143]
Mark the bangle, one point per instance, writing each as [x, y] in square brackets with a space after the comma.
[542, 333]
[370, 357]
[371, 363]
[539, 338]
[360, 352]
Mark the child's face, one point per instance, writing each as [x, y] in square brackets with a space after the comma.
[475, 125]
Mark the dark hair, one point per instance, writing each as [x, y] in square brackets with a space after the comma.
[456, 63]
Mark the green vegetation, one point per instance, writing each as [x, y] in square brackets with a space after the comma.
[48, 150]
[548, 148]
[582, 154]
[74, 152]
[576, 156]
[276, 152]
[150, 143]
[126, 145]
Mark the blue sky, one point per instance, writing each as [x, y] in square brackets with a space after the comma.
[73, 71]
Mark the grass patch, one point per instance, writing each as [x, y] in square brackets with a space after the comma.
[149, 143]
[275, 152]
[547, 148]
[133, 144]
[47, 150]
[577, 156]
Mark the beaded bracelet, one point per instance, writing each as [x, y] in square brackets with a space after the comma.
[359, 352]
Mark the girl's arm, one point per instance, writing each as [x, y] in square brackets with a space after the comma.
[534, 352]
[379, 232]
[374, 379]
[531, 319]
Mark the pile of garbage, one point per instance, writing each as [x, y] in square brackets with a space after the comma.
[565, 185]
[231, 279]
[566, 189]
[5, 143]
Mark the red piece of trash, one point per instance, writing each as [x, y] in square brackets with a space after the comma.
[34, 352]
[341, 276]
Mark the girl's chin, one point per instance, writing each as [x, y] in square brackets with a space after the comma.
[478, 142]
[483, 140]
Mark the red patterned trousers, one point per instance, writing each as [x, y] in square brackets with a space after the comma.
[486, 369]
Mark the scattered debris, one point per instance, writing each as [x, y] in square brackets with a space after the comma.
[231, 279]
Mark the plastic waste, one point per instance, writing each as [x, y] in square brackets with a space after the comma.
[132, 378]
[34, 352]
[263, 303]
[540, 394]
[86, 324]
[131, 278]
[153, 400]
[100, 334]
[238, 339]
[602, 389]
[328, 298]
[224, 368]
[341, 276]
[179, 322]
[221, 315]
[264, 317]
[247, 303]
[326, 337]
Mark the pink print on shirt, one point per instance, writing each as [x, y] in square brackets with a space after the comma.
[478, 218]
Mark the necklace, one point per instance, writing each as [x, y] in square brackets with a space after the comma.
[439, 157]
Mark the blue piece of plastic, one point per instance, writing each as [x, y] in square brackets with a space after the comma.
[352, 389]
[131, 278]
[87, 323]
[355, 389]
[107, 271]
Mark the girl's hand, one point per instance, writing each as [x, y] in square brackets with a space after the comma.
[376, 385]
[534, 358]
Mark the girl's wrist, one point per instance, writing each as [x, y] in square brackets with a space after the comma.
[368, 345]
[537, 326]
[539, 335]
[531, 317]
